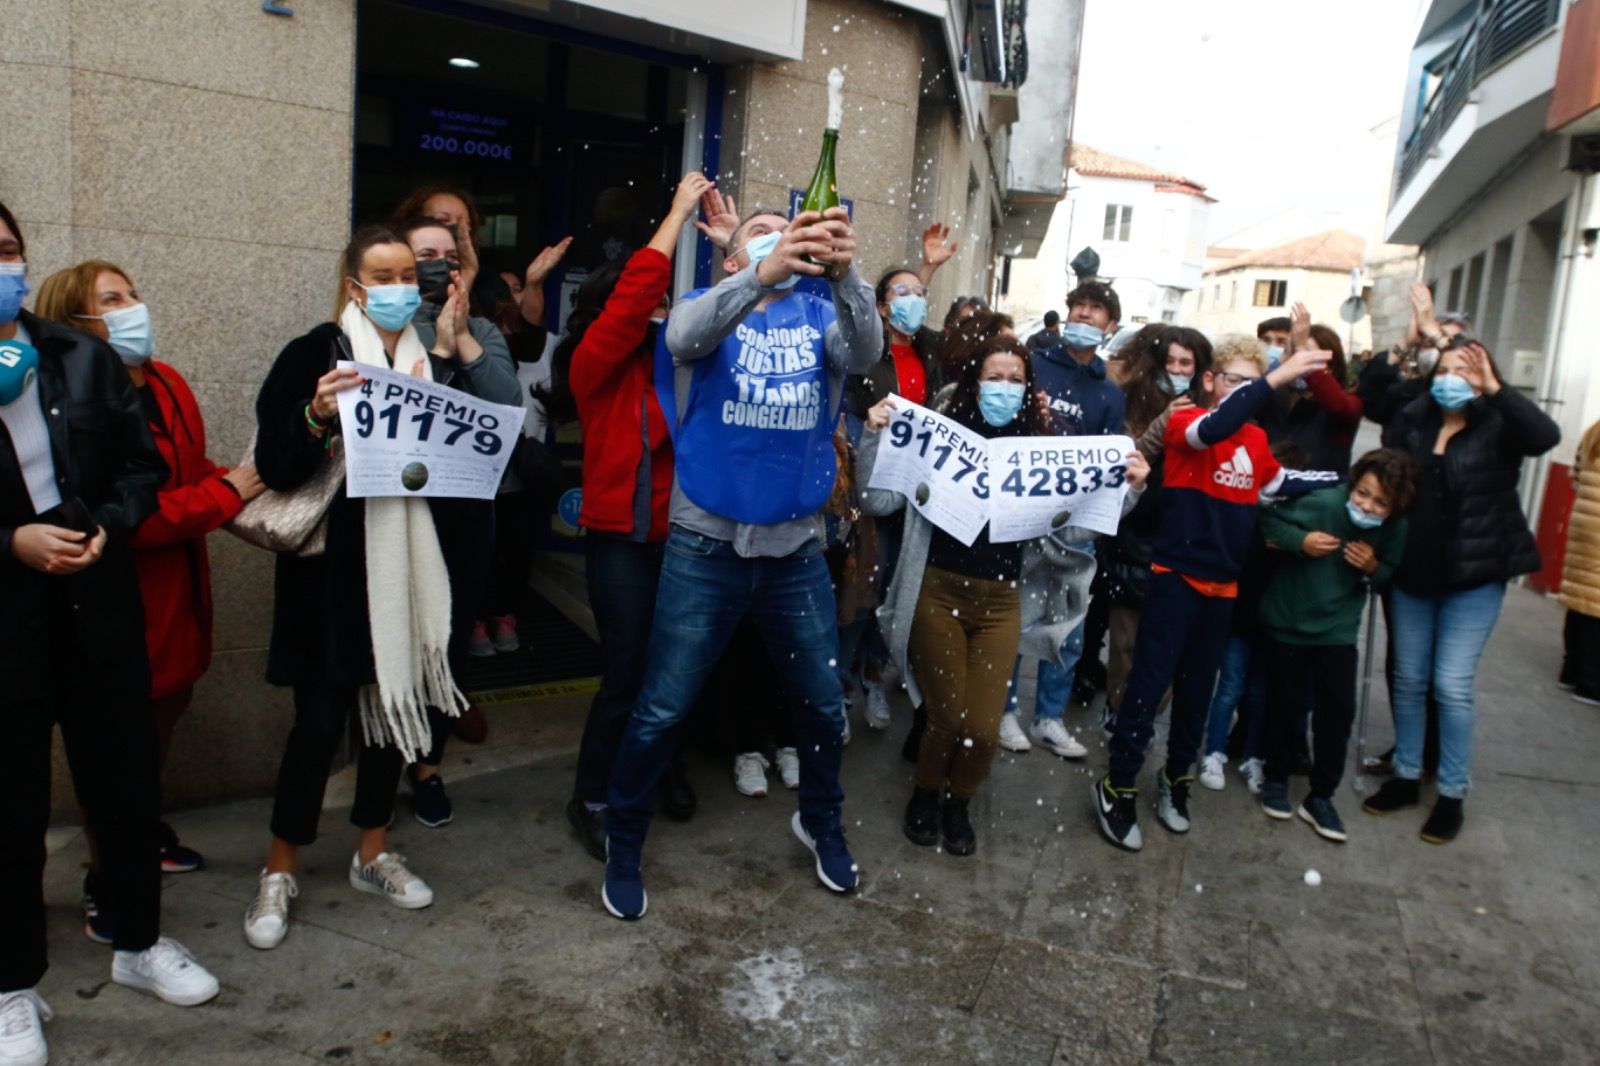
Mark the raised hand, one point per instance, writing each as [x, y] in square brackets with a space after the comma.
[1300, 328]
[692, 191]
[1297, 366]
[1477, 370]
[804, 236]
[1422, 310]
[937, 248]
[842, 236]
[721, 217]
[545, 262]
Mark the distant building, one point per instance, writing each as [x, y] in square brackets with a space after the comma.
[1235, 294]
[1495, 180]
[1148, 226]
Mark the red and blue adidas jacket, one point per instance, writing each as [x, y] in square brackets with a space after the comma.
[1218, 467]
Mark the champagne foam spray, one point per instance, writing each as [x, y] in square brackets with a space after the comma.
[835, 98]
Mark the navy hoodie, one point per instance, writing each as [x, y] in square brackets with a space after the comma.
[1082, 401]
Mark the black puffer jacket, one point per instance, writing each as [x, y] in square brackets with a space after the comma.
[1487, 536]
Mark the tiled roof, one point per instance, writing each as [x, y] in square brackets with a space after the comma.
[1333, 249]
[1096, 163]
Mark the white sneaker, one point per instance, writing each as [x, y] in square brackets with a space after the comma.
[1254, 773]
[1012, 738]
[1211, 771]
[789, 767]
[266, 923]
[167, 969]
[1053, 737]
[387, 876]
[22, 1017]
[876, 712]
[844, 736]
[750, 773]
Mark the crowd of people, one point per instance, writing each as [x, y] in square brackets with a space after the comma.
[735, 542]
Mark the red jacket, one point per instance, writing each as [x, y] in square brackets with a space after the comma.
[611, 384]
[170, 547]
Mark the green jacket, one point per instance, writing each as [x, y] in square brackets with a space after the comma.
[1319, 601]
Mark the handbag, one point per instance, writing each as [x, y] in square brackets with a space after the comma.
[295, 521]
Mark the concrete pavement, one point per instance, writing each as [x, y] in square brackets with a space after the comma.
[1047, 947]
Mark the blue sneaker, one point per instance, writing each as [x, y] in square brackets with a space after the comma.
[835, 868]
[1275, 800]
[1318, 813]
[430, 803]
[623, 892]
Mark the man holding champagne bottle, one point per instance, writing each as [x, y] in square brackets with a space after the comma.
[750, 375]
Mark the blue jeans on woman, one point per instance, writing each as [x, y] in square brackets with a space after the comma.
[1241, 685]
[1440, 638]
[1052, 691]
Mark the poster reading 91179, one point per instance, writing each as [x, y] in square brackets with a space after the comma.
[408, 436]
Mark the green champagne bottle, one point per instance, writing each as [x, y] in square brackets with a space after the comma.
[823, 192]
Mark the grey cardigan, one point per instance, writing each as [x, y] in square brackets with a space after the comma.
[1056, 572]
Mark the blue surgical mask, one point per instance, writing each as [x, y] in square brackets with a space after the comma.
[758, 248]
[19, 365]
[1081, 335]
[907, 313]
[999, 401]
[129, 333]
[1178, 384]
[1274, 357]
[1450, 391]
[13, 287]
[391, 306]
[1360, 518]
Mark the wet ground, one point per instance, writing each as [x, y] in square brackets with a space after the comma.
[1046, 947]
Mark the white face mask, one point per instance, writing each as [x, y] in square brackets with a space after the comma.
[1426, 358]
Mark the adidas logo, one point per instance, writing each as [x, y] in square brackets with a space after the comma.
[1238, 472]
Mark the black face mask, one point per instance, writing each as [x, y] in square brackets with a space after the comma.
[433, 279]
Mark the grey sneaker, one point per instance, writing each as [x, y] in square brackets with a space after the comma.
[387, 876]
[1172, 802]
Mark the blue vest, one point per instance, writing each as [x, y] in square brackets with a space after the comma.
[754, 442]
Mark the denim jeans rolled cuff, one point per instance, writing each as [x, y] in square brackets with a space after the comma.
[706, 589]
[1440, 639]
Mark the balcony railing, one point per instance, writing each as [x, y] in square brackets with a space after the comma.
[1502, 28]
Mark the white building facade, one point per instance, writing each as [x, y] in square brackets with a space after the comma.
[1148, 226]
[1495, 180]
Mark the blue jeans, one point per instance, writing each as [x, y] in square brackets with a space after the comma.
[1440, 638]
[1053, 689]
[706, 590]
[1242, 686]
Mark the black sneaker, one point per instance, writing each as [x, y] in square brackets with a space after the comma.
[922, 817]
[959, 839]
[1117, 812]
[1445, 821]
[676, 794]
[1275, 799]
[96, 923]
[430, 803]
[175, 858]
[1172, 802]
[1395, 794]
[1318, 813]
[590, 825]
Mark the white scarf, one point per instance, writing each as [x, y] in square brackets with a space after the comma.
[408, 588]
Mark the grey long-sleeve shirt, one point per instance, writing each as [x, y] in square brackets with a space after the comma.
[492, 376]
[694, 330]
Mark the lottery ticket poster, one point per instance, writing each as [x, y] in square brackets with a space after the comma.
[407, 436]
[1042, 484]
[937, 464]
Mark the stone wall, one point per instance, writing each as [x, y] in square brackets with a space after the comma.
[209, 156]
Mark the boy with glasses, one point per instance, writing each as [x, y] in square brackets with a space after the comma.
[1218, 467]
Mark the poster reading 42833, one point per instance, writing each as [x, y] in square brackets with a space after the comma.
[408, 436]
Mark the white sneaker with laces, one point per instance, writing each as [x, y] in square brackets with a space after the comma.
[1053, 737]
[789, 767]
[22, 1017]
[1254, 773]
[1211, 775]
[1012, 738]
[876, 712]
[266, 923]
[387, 876]
[750, 773]
[167, 969]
